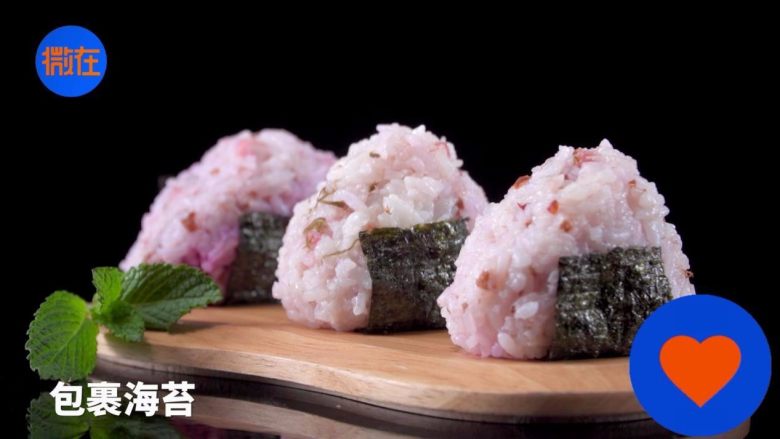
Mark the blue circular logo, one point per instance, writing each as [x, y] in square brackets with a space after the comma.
[700, 365]
[71, 61]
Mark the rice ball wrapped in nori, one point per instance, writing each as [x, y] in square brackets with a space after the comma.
[502, 302]
[195, 219]
[400, 177]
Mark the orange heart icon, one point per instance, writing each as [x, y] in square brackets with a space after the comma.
[700, 370]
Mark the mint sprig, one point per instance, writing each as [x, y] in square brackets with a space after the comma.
[110, 310]
[108, 286]
[161, 293]
[121, 319]
[62, 338]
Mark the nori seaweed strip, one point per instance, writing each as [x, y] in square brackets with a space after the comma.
[604, 298]
[252, 273]
[409, 268]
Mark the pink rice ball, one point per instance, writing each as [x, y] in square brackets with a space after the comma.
[195, 218]
[502, 301]
[399, 177]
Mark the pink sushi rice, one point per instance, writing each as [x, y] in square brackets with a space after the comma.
[194, 220]
[399, 177]
[502, 301]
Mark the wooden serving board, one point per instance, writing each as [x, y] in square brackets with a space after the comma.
[419, 372]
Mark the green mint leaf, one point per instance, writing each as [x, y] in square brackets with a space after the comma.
[111, 311]
[162, 293]
[61, 340]
[43, 421]
[122, 320]
[108, 284]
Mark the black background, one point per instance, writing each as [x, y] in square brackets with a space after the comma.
[691, 98]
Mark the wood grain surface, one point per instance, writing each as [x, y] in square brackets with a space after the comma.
[420, 372]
